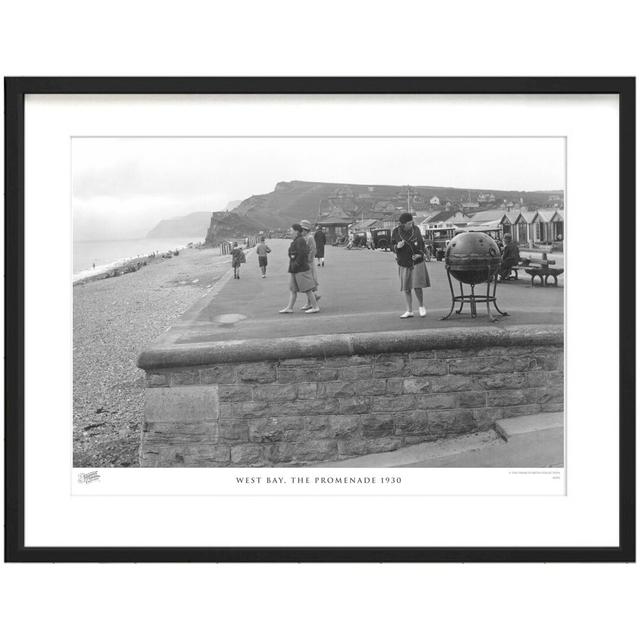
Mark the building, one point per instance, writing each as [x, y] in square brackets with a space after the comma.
[422, 221]
[388, 221]
[548, 226]
[529, 228]
[498, 218]
[334, 224]
[435, 201]
[364, 226]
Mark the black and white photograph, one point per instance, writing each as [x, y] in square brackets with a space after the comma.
[321, 301]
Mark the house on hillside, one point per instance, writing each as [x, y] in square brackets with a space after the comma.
[384, 206]
[486, 198]
[435, 201]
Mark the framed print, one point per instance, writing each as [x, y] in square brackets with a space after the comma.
[320, 319]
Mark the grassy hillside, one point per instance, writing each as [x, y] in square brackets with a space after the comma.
[291, 201]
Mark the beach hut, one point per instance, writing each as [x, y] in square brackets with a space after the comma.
[507, 222]
[548, 226]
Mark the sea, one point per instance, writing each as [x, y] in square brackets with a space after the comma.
[91, 258]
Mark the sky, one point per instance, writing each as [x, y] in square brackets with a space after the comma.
[122, 187]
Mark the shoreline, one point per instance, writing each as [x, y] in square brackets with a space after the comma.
[127, 265]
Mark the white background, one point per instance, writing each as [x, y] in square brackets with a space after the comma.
[587, 516]
[490, 38]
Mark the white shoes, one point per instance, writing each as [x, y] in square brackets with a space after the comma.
[422, 311]
[313, 310]
[286, 310]
[407, 314]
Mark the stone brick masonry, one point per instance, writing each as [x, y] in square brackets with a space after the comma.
[302, 411]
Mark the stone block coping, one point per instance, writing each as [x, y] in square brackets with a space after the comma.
[346, 344]
[509, 427]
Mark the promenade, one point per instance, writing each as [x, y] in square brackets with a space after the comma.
[360, 293]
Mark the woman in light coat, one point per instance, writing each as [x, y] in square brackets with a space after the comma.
[311, 243]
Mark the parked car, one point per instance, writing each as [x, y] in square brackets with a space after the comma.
[381, 239]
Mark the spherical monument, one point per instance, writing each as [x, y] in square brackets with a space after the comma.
[472, 257]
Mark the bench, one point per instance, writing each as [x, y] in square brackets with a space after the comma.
[540, 267]
[513, 275]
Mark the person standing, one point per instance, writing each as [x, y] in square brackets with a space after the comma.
[408, 245]
[321, 240]
[262, 250]
[301, 279]
[311, 243]
[237, 258]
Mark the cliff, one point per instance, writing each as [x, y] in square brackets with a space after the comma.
[193, 225]
[225, 226]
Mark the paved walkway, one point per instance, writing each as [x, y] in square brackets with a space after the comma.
[360, 293]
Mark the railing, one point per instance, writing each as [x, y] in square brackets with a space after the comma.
[247, 242]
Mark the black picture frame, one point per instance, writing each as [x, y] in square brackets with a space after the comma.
[15, 91]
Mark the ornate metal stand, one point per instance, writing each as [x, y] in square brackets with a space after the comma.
[472, 299]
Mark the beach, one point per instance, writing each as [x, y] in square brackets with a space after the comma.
[113, 319]
[95, 259]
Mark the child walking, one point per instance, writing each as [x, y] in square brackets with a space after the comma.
[262, 250]
[237, 258]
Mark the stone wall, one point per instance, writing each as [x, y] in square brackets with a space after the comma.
[295, 411]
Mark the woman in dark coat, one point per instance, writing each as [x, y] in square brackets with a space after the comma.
[408, 244]
[321, 239]
[301, 279]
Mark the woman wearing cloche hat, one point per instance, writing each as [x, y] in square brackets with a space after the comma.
[408, 245]
[311, 243]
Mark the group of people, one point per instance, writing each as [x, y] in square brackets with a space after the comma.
[305, 249]
[238, 257]
[408, 245]
[306, 255]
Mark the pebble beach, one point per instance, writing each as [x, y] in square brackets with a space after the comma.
[113, 319]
